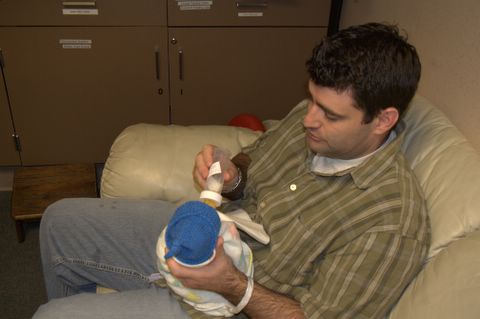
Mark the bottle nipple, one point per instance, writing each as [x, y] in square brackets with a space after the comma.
[212, 199]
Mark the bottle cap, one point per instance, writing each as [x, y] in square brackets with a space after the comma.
[192, 233]
[215, 197]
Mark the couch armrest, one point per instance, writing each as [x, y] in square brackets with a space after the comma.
[150, 161]
[448, 286]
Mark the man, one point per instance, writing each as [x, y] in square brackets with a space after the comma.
[346, 219]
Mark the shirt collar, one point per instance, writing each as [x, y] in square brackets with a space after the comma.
[363, 170]
[330, 166]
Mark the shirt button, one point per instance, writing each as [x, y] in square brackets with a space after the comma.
[293, 187]
[262, 205]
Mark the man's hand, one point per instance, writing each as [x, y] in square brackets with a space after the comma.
[222, 277]
[204, 160]
[219, 276]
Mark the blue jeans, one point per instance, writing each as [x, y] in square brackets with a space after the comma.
[106, 242]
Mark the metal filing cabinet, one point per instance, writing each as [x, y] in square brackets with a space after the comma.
[76, 73]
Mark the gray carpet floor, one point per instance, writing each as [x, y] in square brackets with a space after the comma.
[22, 288]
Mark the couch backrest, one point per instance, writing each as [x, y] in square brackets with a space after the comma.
[448, 169]
[149, 161]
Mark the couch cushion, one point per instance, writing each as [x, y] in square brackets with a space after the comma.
[448, 170]
[150, 161]
[448, 286]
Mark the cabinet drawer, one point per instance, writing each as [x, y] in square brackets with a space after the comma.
[88, 12]
[73, 89]
[248, 13]
[218, 73]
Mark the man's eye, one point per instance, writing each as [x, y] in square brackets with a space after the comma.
[331, 117]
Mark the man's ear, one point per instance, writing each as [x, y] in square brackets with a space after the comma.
[386, 120]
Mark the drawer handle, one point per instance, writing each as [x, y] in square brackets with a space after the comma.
[79, 3]
[157, 63]
[180, 63]
[2, 62]
[247, 5]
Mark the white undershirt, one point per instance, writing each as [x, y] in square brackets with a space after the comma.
[329, 166]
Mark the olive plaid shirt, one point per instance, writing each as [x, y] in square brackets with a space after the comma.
[343, 245]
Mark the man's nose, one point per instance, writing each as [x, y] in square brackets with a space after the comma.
[313, 118]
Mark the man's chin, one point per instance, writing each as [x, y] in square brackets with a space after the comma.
[318, 148]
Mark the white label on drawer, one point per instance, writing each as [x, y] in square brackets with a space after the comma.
[195, 8]
[76, 46]
[82, 12]
[194, 5]
[250, 14]
[75, 43]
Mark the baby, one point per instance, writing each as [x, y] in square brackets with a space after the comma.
[191, 238]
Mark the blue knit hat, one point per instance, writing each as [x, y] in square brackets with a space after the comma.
[192, 233]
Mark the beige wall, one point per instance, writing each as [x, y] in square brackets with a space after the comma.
[446, 34]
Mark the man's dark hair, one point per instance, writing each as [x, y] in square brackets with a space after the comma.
[372, 61]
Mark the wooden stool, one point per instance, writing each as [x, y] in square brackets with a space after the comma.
[34, 188]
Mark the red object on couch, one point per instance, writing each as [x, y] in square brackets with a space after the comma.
[249, 121]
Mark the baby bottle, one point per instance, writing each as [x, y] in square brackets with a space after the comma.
[192, 233]
[211, 195]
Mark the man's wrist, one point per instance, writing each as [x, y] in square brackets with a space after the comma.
[241, 161]
[234, 186]
[235, 287]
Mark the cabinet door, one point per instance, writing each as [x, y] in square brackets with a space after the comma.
[73, 90]
[249, 13]
[217, 73]
[8, 153]
[83, 13]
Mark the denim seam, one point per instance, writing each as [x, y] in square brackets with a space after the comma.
[101, 267]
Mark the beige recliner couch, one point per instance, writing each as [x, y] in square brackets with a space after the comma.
[156, 162]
